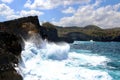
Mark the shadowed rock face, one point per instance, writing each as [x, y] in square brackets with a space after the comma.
[27, 26]
[10, 53]
[7, 57]
[23, 26]
[49, 33]
[11, 43]
[10, 75]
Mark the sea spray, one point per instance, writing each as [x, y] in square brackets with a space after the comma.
[53, 61]
[50, 50]
[57, 51]
[40, 49]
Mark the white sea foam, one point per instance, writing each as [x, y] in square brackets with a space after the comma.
[55, 62]
[88, 59]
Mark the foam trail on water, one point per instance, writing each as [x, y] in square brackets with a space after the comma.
[93, 60]
[53, 61]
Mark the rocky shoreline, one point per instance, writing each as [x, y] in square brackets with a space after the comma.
[14, 32]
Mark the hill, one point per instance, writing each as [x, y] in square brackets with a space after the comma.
[87, 33]
[92, 27]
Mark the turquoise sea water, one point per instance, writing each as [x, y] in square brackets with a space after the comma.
[81, 60]
[110, 50]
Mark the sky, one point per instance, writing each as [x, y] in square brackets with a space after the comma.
[103, 13]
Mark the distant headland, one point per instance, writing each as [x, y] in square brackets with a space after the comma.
[26, 26]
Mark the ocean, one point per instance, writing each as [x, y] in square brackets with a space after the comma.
[81, 60]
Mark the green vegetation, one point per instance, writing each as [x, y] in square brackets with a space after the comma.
[92, 31]
[48, 25]
[92, 27]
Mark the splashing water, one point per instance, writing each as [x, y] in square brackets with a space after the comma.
[54, 61]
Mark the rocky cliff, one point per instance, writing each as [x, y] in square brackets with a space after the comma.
[12, 34]
[87, 33]
[90, 32]
[23, 26]
[26, 26]
[49, 31]
[10, 54]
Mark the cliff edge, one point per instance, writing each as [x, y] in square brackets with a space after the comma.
[23, 26]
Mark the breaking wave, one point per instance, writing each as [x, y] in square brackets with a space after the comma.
[45, 60]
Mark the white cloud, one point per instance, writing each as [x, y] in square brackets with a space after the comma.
[10, 17]
[40, 4]
[50, 4]
[69, 10]
[7, 1]
[53, 19]
[24, 13]
[97, 3]
[117, 7]
[30, 13]
[105, 17]
[8, 13]
[5, 10]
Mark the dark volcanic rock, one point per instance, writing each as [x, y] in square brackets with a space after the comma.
[11, 43]
[49, 33]
[7, 57]
[10, 53]
[23, 26]
[117, 38]
[66, 39]
[27, 26]
[10, 75]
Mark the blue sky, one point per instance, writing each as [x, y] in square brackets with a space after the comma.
[103, 13]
